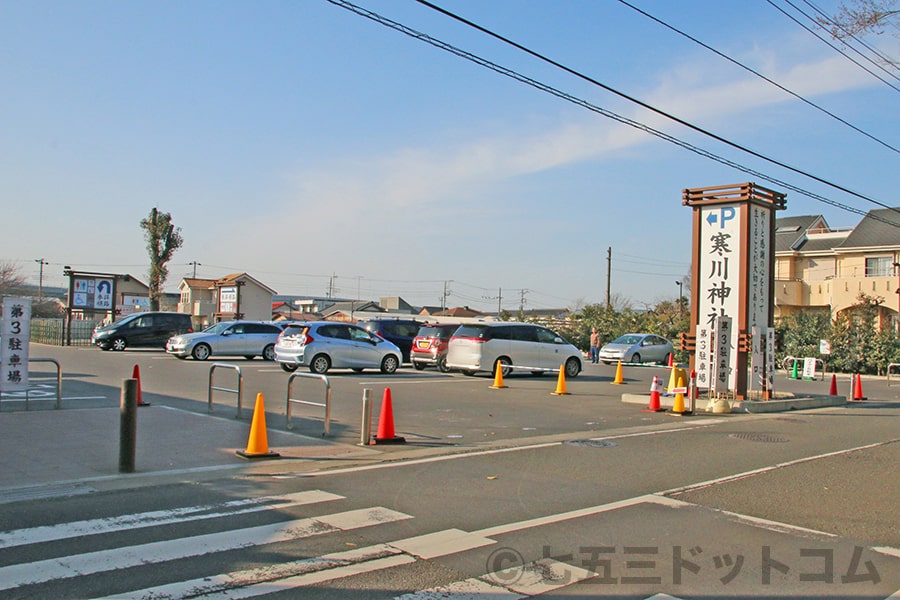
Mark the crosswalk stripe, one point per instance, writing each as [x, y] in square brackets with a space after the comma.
[231, 585]
[520, 581]
[119, 558]
[48, 533]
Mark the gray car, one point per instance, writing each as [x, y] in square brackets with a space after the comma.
[637, 348]
[322, 345]
[228, 338]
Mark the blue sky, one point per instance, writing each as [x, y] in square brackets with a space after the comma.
[302, 143]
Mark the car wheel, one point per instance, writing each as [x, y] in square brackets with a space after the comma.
[505, 368]
[288, 368]
[201, 352]
[573, 367]
[665, 360]
[118, 344]
[419, 366]
[442, 365]
[268, 352]
[636, 359]
[320, 364]
[389, 364]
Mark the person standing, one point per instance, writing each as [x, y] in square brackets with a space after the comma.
[595, 346]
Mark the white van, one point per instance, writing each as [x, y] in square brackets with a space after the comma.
[478, 346]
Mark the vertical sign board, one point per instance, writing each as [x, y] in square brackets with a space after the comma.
[15, 334]
[719, 284]
[93, 293]
[227, 299]
[757, 360]
[733, 268]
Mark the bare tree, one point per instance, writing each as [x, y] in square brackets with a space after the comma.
[163, 239]
[861, 16]
[11, 279]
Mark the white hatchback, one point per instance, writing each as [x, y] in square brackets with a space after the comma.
[523, 346]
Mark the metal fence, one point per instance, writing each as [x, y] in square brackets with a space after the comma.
[53, 331]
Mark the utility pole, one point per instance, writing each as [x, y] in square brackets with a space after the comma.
[608, 273]
[522, 303]
[41, 278]
[196, 264]
[498, 298]
[446, 293]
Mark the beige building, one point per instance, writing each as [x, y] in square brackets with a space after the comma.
[236, 296]
[818, 267]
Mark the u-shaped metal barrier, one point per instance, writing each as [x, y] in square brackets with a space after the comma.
[239, 391]
[889, 367]
[326, 405]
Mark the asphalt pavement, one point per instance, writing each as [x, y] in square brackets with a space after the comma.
[45, 451]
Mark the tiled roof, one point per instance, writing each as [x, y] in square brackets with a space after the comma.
[879, 228]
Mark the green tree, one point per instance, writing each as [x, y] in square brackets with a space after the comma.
[801, 332]
[163, 239]
[853, 339]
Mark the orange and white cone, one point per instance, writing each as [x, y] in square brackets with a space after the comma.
[654, 396]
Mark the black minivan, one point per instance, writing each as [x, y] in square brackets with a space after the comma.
[400, 332]
[151, 329]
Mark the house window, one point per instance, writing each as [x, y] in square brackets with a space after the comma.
[879, 266]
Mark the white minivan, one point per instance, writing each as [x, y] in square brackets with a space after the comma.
[478, 346]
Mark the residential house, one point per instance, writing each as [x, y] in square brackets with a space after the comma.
[824, 268]
[235, 296]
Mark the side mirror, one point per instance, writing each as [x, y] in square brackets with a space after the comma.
[226, 332]
[558, 340]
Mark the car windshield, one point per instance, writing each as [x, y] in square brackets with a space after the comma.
[217, 328]
[295, 330]
[628, 339]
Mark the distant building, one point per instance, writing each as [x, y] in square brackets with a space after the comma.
[821, 268]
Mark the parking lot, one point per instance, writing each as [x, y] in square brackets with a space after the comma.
[429, 407]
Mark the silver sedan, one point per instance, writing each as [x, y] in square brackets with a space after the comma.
[228, 338]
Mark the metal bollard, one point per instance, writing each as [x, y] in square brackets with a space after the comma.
[365, 433]
[128, 425]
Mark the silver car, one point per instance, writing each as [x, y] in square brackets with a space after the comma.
[228, 338]
[637, 348]
[323, 345]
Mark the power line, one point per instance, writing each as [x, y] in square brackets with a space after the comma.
[624, 120]
[614, 91]
[760, 75]
[837, 26]
[833, 47]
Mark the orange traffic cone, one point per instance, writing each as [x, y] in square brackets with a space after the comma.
[136, 374]
[857, 389]
[258, 442]
[833, 390]
[385, 433]
[561, 382]
[671, 360]
[654, 396]
[498, 377]
[618, 380]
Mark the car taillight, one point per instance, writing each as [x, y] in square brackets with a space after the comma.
[306, 339]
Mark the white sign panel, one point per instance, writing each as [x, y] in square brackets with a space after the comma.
[103, 294]
[719, 278]
[723, 373]
[759, 267]
[15, 334]
[227, 299]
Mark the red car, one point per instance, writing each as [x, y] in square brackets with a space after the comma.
[429, 347]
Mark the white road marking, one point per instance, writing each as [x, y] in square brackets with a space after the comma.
[441, 543]
[155, 552]
[35, 535]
